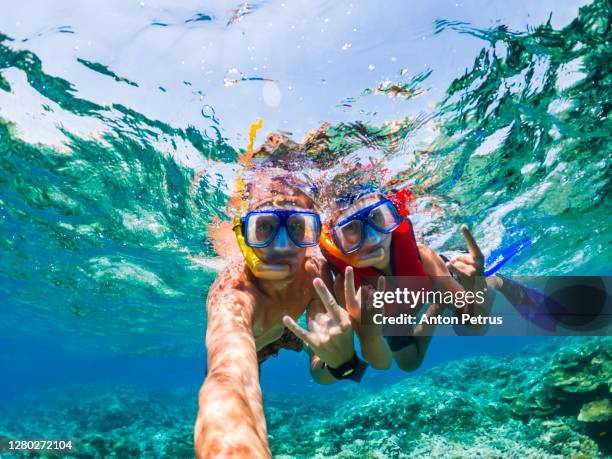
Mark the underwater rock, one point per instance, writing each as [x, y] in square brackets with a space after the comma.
[513, 406]
[597, 411]
[582, 369]
[574, 372]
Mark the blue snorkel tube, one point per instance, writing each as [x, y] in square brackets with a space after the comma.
[500, 257]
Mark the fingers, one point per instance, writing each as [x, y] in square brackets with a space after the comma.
[349, 283]
[353, 307]
[369, 298]
[327, 298]
[315, 327]
[291, 324]
[464, 258]
[471, 243]
[462, 268]
[469, 260]
[381, 284]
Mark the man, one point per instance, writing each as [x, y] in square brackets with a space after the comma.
[248, 306]
[367, 233]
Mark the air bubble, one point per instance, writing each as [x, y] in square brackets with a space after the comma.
[232, 76]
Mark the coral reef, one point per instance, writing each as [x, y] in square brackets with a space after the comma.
[107, 422]
[597, 411]
[575, 374]
[543, 402]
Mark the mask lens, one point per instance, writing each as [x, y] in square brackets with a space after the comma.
[261, 229]
[384, 217]
[304, 229]
[349, 235]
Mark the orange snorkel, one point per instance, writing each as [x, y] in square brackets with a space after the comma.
[326, 242]
[259, 269]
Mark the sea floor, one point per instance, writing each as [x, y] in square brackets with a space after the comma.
[542, 402]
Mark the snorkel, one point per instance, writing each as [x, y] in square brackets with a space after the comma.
[257, 266]
[259, 269]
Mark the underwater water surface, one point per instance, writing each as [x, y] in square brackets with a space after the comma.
[122, 128]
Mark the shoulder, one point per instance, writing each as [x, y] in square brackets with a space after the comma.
[230, 287]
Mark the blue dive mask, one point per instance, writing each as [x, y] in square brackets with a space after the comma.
[349, 232]
[260, 227]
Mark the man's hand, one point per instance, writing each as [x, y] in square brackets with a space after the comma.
[329, 334]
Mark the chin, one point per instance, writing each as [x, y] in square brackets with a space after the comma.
[371, 259]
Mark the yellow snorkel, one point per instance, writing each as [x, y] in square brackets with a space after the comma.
[259, 269]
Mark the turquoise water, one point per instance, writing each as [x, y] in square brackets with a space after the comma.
[121, 125]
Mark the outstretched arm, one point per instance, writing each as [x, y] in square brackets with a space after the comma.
[469, 268]
[230, 421]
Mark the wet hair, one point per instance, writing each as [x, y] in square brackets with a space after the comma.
[277, 170]
[343, 206]
[270, 189]
[277, 144]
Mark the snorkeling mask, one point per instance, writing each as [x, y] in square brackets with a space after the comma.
[350, 232]
[259, 228]
[394, 206]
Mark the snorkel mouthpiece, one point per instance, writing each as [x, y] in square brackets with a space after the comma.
[259, 269]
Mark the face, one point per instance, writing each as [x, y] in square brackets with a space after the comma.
[282, 250]
[375, 250]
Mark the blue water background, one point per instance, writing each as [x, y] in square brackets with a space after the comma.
[44, 348]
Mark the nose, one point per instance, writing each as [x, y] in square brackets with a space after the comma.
[282, 243]
[372, 237]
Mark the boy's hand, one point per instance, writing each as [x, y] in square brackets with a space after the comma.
[470, 269]
[373, 346]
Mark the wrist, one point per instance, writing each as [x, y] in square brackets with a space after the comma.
[335, 363]
[353, 368]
